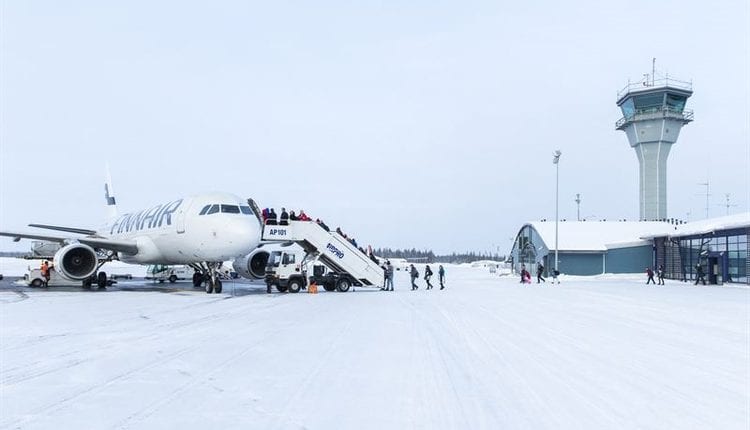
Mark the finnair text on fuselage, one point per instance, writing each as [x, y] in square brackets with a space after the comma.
[146, 219]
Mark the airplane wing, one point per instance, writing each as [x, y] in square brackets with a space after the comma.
[124, 246]
[66, 229]
[18, 236]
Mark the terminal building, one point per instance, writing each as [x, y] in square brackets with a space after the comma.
[653, 113]
[719, 245]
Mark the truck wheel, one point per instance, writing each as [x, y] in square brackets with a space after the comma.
[329, 287]
[172, 279]
[197, 279]
[280, 289]
[294, 286]
[36, 283]
[101, 280]
[343, 285]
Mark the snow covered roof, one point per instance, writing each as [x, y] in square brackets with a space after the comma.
[599, 235]
[709, 225]
[604, 235]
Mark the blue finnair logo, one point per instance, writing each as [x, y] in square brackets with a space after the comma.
[337, 252]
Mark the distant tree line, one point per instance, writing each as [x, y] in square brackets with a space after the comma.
[13, 254]
[427, 256]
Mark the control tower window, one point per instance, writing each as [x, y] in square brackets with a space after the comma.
[675, 102]
[628, 108]
[649, 101]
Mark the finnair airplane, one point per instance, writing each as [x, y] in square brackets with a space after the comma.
[201, 231]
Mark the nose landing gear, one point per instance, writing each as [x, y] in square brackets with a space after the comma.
[207, 272]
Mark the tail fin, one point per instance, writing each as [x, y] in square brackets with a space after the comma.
[109, 195]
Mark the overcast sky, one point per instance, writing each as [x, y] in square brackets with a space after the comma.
[424, 124]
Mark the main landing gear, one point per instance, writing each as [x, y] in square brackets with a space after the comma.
[206, 272]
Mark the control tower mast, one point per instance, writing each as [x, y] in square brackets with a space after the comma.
[653, 113]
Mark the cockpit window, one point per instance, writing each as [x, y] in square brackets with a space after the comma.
[230, 209]
[213, 210]
[246, 210]
[205, 209]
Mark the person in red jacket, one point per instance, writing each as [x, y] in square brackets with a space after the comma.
[650, 274]
[303, 216]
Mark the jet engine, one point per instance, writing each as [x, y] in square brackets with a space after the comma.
[76, 261]
[253, 265]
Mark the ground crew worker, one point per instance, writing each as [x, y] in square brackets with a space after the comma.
[539, 272]
[441, 277]
[427, 276]
[45, 272]
[650, 274]
[414, 275]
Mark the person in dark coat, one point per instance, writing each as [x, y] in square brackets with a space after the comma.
[414, 275]
[388, 274]
[539, 272]
[272, 217]
[700, 276]
[427, 276]
[292, 216]
[650, 274]
[441, 277]
[660, 274]
[284, 220]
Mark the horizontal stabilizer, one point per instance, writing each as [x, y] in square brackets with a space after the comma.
[66, 229]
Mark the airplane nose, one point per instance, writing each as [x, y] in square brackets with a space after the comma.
[247, 234]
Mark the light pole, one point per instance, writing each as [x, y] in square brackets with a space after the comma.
[556, 162]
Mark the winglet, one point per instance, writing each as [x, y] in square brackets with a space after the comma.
[109, 195]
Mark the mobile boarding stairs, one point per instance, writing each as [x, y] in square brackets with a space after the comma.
[330, 248]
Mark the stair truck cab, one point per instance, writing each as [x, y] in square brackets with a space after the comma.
[287, 270]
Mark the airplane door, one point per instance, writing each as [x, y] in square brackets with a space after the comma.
[182, 214]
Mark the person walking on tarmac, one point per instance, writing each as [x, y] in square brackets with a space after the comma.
[427, 276]
[650, 274]
[660, 274]
[441, 277]
[539, 272]
[388, 276]
[700, 276]
[284, 217]
[414, 275]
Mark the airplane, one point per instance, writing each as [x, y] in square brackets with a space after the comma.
[201, 231]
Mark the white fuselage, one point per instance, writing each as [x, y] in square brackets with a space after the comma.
[209, 227]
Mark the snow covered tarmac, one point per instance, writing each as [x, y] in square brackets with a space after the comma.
[485, 353]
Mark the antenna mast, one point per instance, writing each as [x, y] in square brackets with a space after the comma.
[578, 202]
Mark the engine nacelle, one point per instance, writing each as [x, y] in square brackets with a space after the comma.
[76, 261]
[253, 265]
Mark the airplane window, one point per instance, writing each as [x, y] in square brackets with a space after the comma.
[204, 210]
[246, 210]
[230, 209]
[213, 210]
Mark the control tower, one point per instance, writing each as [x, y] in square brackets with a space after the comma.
[653, 113]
